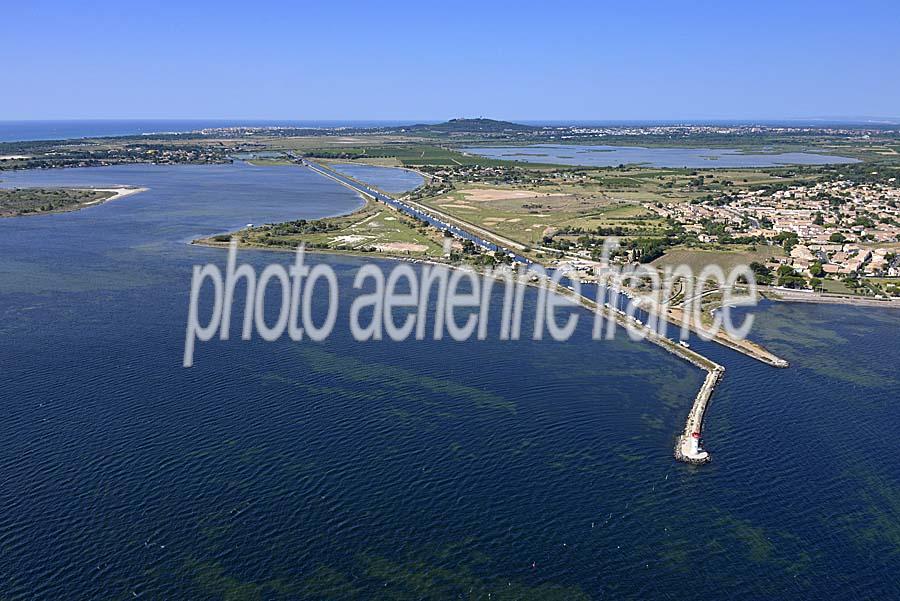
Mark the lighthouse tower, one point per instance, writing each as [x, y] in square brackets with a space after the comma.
[690, 448]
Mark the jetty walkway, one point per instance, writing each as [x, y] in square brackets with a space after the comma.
[687, 446]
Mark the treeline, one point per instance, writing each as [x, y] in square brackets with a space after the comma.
[72, 156]
[332, 154]
[299, 226]
[641, 248]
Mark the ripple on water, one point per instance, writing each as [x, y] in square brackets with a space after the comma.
[327, 470]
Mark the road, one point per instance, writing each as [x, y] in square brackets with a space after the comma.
[413, 209]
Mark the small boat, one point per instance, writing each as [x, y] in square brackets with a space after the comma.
[684, 344]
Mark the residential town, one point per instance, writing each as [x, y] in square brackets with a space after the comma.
[834, 229]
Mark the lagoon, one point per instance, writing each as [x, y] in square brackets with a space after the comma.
[434, 469]
[390, 180]
[611, 156]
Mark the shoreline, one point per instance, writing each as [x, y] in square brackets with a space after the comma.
[208, 242]
[714, 371]
[796, 296]
[687, 446]
[117, 193]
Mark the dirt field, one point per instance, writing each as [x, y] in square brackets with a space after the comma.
[489, 194]
[401, 247]
[697, 259]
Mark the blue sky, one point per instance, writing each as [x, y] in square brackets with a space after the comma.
[516, 60]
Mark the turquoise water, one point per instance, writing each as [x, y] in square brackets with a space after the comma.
[407, 470]
[611, 156]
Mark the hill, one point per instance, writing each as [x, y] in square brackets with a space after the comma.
[459, 126]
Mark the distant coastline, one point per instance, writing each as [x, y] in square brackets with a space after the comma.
[26, 131]
[69, 129]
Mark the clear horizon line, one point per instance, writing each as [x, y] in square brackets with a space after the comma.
[859, 118]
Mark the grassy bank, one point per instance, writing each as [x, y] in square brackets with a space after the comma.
[374, 229]
[32, 201]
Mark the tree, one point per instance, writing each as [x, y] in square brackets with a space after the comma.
[759, 268]
[791, 281]
[788, 239]
[785, 270]
[837, 237]
[763, 274]
[816, 269]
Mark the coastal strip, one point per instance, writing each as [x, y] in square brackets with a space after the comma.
[488, 239]
[675, 316]
[117, 194]
[687, 447]
[418, 211]
[35, 201]
[807, 296]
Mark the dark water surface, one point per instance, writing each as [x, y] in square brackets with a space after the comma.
[388, 180]
[407, 470]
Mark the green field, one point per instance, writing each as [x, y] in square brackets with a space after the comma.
[697, 258]
[837, 287]
[270, 162]
[526, 216]
[586, 199]
[378, 149]
[375, 229]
